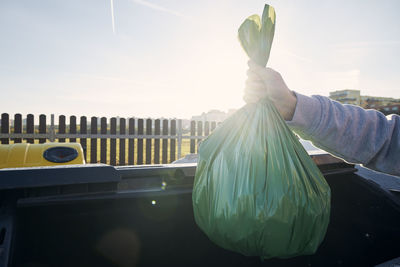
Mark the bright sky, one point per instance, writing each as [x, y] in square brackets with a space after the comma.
[175, 58]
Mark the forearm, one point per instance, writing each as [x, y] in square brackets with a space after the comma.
[349, 132]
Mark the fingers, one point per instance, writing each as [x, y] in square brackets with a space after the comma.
[251, 75]
[263, 73]
[256, 83]
[261, 82]
[252, 64]
[255, 89]
[253, 95]
[255, 67]
[250, 100]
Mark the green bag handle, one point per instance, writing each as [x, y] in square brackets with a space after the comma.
[256, 35]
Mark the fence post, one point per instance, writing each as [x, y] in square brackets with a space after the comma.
[72, 128]
[103, 142]
[42, 127]
[199, 133]
[139, 156]
[61, 128]
[172, 142]
[30, 128]
[5, 127]
[149, 131]
[207, 128]
[179, 139]
[52, 129]
[213, 125]
[113, 142]
[192, 133]
[131, 142]
[122, 131]
[157, 131]
[164, 156]
[18, 127]
[83, 130]
[93, 141]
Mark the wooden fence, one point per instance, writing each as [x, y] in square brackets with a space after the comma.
[117, 141]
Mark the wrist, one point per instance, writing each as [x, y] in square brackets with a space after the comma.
[288, 107]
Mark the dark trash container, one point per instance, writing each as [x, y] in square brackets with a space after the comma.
[142, 216]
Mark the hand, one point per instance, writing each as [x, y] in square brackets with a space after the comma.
[263, 82]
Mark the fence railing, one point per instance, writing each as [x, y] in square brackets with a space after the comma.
[115, 141]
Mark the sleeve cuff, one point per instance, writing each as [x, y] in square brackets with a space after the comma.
[307, 115]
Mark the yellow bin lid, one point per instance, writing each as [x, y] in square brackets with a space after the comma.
[47, 154]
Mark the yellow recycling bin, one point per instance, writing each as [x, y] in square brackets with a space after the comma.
[47, 154]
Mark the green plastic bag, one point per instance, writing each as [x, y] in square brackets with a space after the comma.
[256, 190]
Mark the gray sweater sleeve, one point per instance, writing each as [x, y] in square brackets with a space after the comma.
[349, 132]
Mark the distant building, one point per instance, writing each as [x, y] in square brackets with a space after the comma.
[185, 124]
[231, 111]
[213, 115]
[347, 96]
[355, 98]
[389, 109]
[375, 101]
